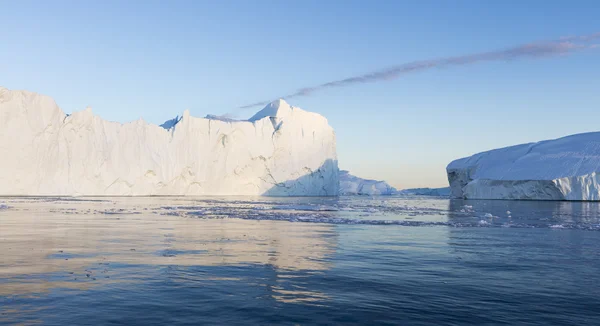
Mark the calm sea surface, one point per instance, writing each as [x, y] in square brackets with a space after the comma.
[298, 261]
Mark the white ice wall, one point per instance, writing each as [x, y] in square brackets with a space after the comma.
[281, 151]
[561, 169]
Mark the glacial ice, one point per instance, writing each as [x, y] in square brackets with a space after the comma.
[352, 185]
[437, 192]
[281, 151]
[224, 118]
[561, 169]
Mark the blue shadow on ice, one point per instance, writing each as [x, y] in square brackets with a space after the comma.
[320, 182]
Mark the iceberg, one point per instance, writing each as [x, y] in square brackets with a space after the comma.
[352, 185]
[561, 169]
[436, 192]
[281, 151]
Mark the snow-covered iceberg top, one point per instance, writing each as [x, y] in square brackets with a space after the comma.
[352, 185]
[559, 169]
[281, 151]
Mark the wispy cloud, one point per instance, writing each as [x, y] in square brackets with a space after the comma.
[563, 46]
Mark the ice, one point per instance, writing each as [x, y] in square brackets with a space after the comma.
[224, 118]
[439, 192]
[281, 151]
[317, 208]
[560, 169]
[352, 185]
[385, 211]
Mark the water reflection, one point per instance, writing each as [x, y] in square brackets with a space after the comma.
[45, 248]
[553, 214]
[156, 261]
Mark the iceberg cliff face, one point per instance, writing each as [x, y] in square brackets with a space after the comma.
[561, 169]
[281, 151]
[352, 185]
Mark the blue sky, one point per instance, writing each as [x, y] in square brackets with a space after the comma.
[154, 59]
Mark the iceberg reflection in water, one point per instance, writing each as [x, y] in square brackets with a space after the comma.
[257, 260]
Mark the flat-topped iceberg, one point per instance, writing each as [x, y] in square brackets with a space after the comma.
[561, 169]
[435, 192]
[280, 151]
[353, 185]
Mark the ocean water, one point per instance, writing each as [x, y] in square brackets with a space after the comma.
[298, 261]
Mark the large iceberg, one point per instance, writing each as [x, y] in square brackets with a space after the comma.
[280, 151]
[561, 169]
[353, 185]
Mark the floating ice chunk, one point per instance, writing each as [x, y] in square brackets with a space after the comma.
[468, 208]
[317, 208]
[557, 226]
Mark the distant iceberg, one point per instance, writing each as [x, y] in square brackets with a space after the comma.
[352, 185]
[561, 169]
[281, 151]
[436, 192]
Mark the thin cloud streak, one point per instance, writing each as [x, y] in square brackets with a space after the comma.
[563, 46]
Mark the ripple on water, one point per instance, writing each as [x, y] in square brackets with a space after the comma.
[354, 260]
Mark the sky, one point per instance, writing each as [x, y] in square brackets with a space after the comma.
[155, 59]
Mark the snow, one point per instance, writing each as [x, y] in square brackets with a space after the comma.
[560, 169]
[352, 185]
[278, 108]
[281, 151]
